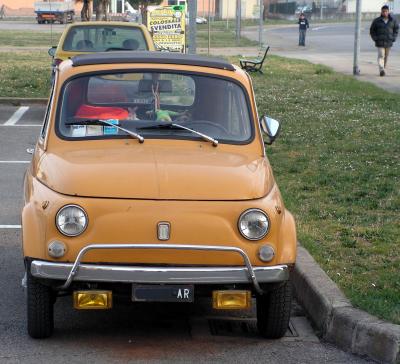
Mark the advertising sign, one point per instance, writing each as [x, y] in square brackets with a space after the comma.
[167, 27]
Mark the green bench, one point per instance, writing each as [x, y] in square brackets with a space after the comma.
[254, 65]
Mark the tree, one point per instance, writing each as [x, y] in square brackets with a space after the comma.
[86, 12]
[142, 6]
[101, 9]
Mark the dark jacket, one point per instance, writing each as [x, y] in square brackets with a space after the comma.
[384, 34]
[303, 24]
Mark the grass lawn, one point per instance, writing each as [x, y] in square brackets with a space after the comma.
[24, 38]
[337, 162]
[25, 74]
[222, 39]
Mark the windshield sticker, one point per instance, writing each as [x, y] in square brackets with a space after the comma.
[111, 130]
[93, 130]
[78, 131]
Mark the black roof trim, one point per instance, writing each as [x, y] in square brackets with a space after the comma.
[150, 57]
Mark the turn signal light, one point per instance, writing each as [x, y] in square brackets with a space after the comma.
[231, 300]
[92, 300]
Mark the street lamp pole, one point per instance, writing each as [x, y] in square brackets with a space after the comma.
[260, 25]
[357, 34]
[238, 19]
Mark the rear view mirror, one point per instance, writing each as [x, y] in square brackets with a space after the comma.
[52, 51]
[270, 127]
[147, 85]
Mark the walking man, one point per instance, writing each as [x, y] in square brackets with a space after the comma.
[303, 26]
[384, 31]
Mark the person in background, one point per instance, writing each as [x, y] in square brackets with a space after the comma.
[303, 26]
[384, 31]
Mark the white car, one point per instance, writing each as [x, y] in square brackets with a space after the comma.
[201, 20]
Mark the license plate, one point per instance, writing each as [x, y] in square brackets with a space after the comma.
[159, 293]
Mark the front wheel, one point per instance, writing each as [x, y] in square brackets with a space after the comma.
[40, 301]
[273, 311]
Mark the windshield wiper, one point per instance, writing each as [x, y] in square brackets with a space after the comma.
[108, 123]
[178, 126]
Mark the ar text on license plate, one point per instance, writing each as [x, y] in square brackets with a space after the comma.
[163, 293]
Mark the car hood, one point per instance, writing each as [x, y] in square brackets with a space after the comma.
[148, 172]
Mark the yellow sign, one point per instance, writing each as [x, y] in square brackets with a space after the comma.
[167, 27]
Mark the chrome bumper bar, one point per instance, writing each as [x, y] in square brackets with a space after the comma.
[150, 274]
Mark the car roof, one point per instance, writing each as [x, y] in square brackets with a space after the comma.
[106, 23]
[150, 57]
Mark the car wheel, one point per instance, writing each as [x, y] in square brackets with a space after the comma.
[273, 311]
[40, 302]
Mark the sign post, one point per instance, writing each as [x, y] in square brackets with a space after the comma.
[192, 7]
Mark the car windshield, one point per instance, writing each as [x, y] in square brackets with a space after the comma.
[146, 103]
[100, 38]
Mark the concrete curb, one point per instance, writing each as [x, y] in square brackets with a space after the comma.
[23, 100]
[337, 320]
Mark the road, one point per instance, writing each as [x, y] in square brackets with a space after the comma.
[332, 45]
[128, 333]
[31, 25]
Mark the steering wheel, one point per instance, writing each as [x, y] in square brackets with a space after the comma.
[206, 122]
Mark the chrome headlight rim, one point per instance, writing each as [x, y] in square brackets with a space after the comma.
[254, 210]
[76, 206]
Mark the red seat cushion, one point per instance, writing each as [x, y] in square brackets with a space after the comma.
[101, 112]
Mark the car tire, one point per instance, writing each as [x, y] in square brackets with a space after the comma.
[273, 311]
[40, 309]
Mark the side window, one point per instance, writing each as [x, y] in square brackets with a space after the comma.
[47, 115]
[236, 104]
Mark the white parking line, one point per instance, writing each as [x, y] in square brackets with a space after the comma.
[14, 162]
[17, 115]
[319, 28]
[10, 226]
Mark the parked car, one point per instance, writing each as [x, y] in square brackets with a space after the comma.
[100, 36]
[201, 20]
[306, 10]
[150, 181]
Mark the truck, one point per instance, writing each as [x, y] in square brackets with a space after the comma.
[54, 11]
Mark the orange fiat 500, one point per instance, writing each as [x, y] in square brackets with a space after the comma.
[150, 181]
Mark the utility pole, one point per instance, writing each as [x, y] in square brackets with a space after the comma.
[209, 26]
[357, 34]
[261, 23]
[227, 15]
[238, 19]
[192, 9]
[320, 10]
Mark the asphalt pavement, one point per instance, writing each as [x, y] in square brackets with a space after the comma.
[333, 45]
[129, 332]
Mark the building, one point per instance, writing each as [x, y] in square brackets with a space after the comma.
[367, 6]
[250, 9]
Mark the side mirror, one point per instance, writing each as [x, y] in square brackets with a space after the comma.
[270, 127]
[52, 51]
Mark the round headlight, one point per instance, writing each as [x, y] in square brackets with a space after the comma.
[253, 224]
[71, 220]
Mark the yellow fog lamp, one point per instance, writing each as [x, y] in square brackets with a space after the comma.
[231, 300]
[92, 300]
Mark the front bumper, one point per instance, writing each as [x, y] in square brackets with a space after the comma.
[78, 271]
